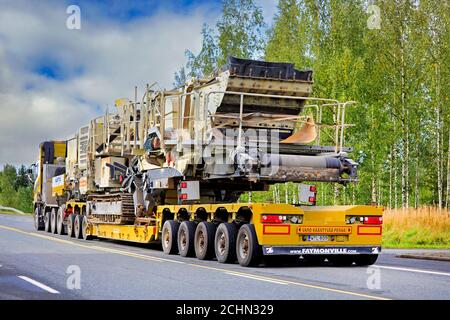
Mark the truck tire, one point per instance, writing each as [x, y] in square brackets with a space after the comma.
[60, 221]
[47, 221]
[204, 240]
[77, 226]
[225, 243]
[366, 259]
[70, 223]
[169, 237]
[185, 238]
[341, 260]
[53, 221]
[248, 250]
[38, 224]
[85, 229]
[313, 259]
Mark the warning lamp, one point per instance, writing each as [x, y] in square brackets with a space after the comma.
[373, 220]
[312, 199]
[313, 188]
[183, 185]
[271, 219]
[183, 196]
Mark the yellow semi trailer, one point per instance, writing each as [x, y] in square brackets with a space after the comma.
[171, 168]
[228, 232]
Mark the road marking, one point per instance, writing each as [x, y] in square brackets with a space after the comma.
[256, 278]
[38, 284]
[415, 270]
[148, 257]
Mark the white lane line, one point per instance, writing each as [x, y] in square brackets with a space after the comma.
[415, 270]
[38, 284]
[255, 278]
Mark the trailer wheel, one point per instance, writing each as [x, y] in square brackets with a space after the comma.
[53, 221]
[313, 260]
[185, 238]
[169, 237]
[341, 260]
[77, 223]
[248, 250]
[47, 219]
[60, 221]
[204, 240]
[38, 224]
[85, 229]
[366, 259]
[70, 224]
[225, 243]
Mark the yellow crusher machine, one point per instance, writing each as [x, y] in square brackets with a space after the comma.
[171, 166]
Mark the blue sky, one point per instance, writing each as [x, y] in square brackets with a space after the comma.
[54, 80]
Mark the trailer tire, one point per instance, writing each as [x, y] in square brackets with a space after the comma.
[70, 223]
[248, 250]
[38, 224]
[204, 240]
[185, 238]
[47, 221]
[53, 221]
[341, 260]
[366, 259]
[60, 221]
[77, 223]
[313, 260]
[225, 243]
[169, 237]
[85, 233]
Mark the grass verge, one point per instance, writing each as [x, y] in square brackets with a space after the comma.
[425, 227]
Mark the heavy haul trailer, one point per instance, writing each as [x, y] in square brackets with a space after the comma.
[171, 167]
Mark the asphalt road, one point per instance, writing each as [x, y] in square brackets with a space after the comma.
[39, 265]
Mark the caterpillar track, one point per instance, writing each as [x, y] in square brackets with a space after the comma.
[115, 208]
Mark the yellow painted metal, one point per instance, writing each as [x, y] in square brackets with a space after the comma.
[331, 219]
[60, 149]
[141, 234]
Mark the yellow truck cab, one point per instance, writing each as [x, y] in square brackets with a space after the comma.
[48, 170]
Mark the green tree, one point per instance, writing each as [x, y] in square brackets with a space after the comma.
[7, 181]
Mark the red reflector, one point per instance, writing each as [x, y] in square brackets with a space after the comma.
[271, 219]
[312, 199]
[183, 196]
[313, 188]
[373, 220]
[183, 185]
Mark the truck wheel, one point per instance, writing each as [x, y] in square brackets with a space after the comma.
[366, 259]
[47, 219]
[313, 260]
[225, 243]
[204, 240]
[53, 220]
[185, 238]
[77, 226]
[169, 237]
[70, 223]
[341, 260]
[248, 250]
[85, 229]
[60, 221]
[37, 221]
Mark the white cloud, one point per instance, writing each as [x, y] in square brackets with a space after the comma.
[95, 65]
